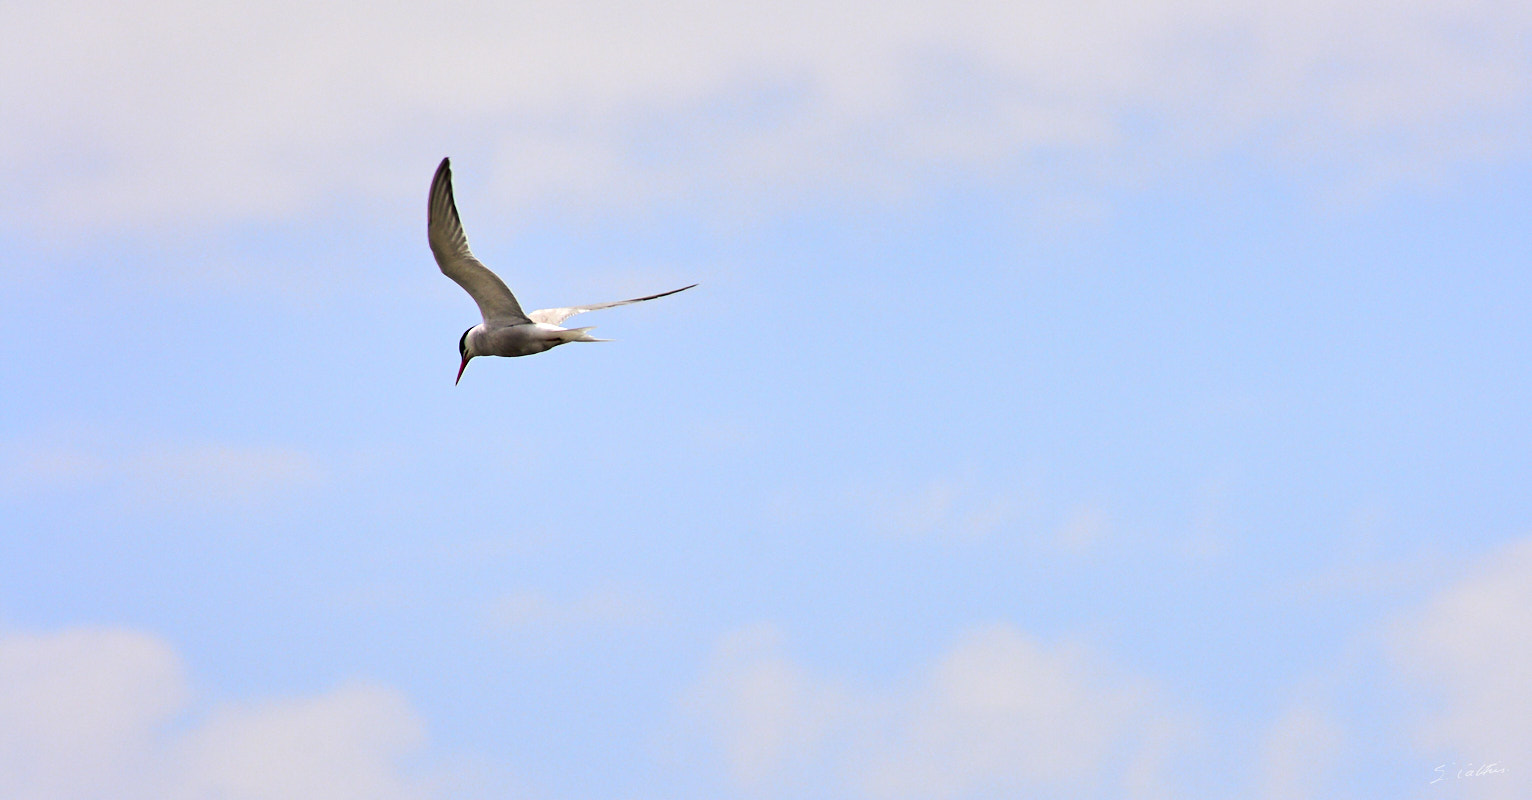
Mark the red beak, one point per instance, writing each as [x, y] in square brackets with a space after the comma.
[460, 370]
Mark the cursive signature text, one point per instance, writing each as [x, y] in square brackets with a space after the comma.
[1445, 771]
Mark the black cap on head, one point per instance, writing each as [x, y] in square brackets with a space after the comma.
[462, 343]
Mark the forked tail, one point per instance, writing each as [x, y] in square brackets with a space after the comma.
[580, 335]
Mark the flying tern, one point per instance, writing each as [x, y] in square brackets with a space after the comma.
[506, 329]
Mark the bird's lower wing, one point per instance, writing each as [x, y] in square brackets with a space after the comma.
[554, 316]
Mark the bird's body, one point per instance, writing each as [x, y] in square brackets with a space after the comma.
[520, 340]
[506, 329]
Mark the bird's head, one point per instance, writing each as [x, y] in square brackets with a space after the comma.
[465, 350]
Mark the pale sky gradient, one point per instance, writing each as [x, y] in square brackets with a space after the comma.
[1081, 400]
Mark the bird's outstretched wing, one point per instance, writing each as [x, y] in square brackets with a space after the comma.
[554, 316]
[450, 246]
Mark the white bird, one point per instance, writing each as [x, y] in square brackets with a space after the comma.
[506, 329]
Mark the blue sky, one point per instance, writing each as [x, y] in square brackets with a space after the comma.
[1107, 400]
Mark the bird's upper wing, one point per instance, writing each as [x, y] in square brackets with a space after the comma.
[450, 246]
[554, 316]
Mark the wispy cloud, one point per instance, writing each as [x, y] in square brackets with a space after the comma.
[533, 612]
[1084, 530]
[971, 508]
[1298, 753]
[158, 474]
[292, 106]
[961, 507]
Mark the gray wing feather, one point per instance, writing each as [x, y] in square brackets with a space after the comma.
[554, 316]
[450, 246]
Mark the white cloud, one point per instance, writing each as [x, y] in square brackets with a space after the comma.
[343, 745]
[173, 110]
[999, 714]
[767, 713]
[1003, 714]
[77, 710]
[1470, 647]
[93, 713]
